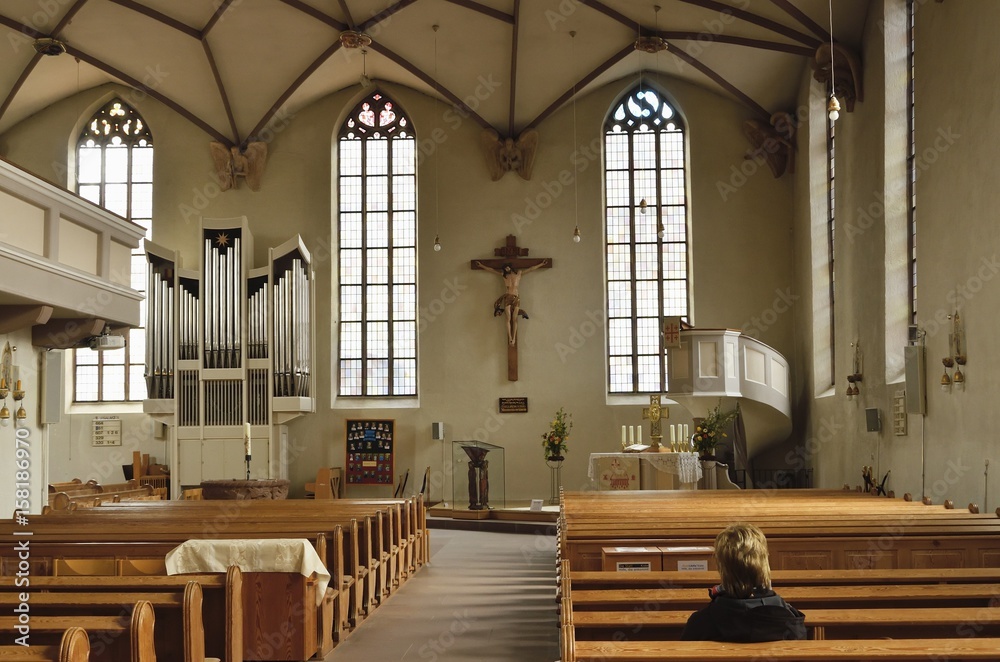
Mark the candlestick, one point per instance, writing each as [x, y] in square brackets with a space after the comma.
[246, 439]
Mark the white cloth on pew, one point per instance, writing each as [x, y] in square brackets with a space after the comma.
[684, 465]
[258, 555]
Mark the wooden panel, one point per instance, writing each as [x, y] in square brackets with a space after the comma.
[802, 559]
[273, 631]
[867, 559]
[937, 558]
[988, 558]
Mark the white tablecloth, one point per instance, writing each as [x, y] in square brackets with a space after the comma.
[262, 555]
[683, 465]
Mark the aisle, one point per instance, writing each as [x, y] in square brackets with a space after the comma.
[483, 596]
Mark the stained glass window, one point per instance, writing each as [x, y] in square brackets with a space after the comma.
[114, 169]
[377, 229]
[646, 237]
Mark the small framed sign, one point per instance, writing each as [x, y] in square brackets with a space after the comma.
[513, 405]
[107, 431]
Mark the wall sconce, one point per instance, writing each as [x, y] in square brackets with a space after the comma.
[855, 377]
[956, 356]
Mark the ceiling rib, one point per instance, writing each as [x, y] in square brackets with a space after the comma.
[385, 14]
[760, 21]
[482, 9]
[157, 16]
[409, 66]
[513, 67]
[347, 12]
[159, 96]
[714, 75]
[802, 18]
[222, 91]
[568, 94]
[35, 59]
[216, 17]
[317, 14]
[761, 44]
[296, 84]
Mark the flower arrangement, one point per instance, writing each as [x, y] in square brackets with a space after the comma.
[554, 441]
[711, 430]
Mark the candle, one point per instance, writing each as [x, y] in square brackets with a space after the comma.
[623, 436]
[640, 434]
[18, 387]
[246, 438]
[3, 383]
[631, 434]
[673, 434]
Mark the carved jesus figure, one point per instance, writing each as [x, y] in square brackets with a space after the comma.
[509, 303]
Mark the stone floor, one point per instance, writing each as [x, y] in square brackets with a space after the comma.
[484, 596]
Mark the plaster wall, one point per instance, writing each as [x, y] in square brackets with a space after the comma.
[741, 265]
[943, 454]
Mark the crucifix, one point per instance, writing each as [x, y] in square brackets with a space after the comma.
[511, 262]
[655, 413]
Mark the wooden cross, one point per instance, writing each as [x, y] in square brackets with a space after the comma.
[511, 263]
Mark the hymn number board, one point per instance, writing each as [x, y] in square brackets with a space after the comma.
[369, 452]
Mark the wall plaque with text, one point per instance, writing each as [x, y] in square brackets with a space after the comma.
[513, 405]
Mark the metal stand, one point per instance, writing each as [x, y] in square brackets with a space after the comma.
[555, 480]
[248, 467]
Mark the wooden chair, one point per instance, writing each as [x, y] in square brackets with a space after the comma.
[327, 484]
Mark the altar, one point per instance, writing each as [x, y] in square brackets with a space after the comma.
[644, 471]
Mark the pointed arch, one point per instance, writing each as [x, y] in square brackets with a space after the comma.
[646, 238]
[377, 239]
[114, 169]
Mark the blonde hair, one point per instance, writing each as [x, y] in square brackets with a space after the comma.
[741, 554]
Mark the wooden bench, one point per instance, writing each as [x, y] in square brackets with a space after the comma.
[858, 650]
[804, 531]
[74, 646]
[134, 627]
[846, 623]
[180, 601]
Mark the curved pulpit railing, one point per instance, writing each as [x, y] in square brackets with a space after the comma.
[711, 364]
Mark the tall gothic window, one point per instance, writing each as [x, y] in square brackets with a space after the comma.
[831, 231]
[911, 160]
[114, 169]
[646, 237]
[378, 251]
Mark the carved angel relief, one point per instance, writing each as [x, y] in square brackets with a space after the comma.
[231, 163]
[505, 154]
[773, 143]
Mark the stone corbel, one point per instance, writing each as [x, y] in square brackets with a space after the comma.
[847, 82]
[772, 143]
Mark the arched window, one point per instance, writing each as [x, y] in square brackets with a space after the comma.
[377, 230]
[646, 235]
[114, 169]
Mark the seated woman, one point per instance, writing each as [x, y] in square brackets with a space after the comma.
[743, 607]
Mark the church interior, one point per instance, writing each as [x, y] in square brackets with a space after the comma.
[385, 236]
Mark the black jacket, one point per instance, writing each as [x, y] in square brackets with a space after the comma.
[762, 617]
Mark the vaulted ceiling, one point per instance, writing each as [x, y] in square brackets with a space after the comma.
[231, 66]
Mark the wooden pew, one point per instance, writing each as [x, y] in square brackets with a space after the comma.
[807, 531]
[848, 623]
[859, 650]
[73, 647]
[96, 604]
[137, 625]
[802, 597]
